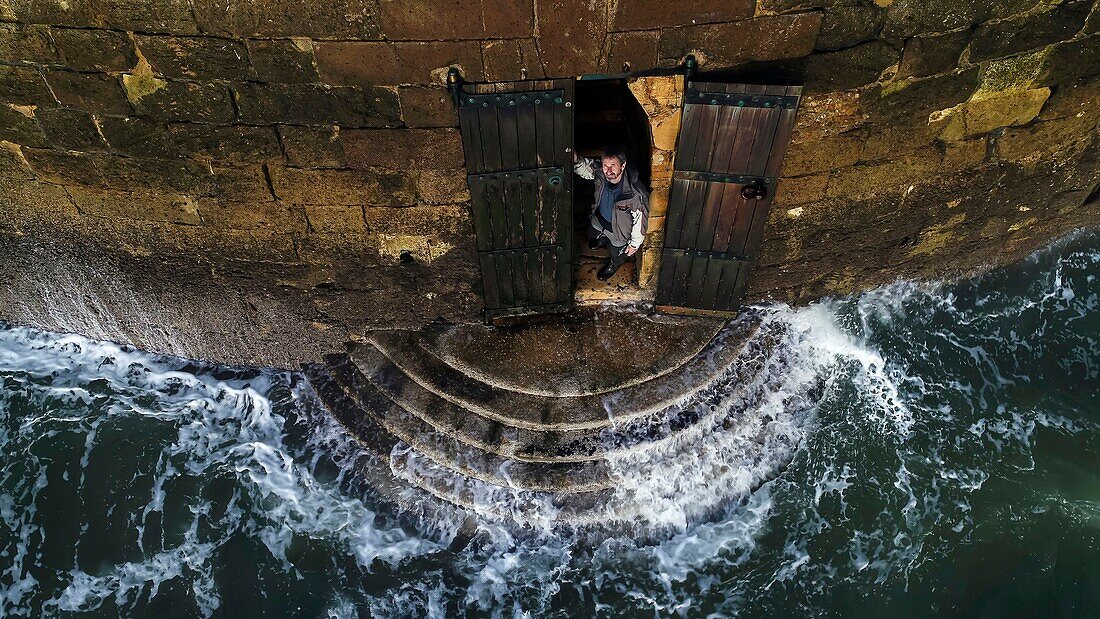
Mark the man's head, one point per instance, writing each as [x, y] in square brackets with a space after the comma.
[613, 161]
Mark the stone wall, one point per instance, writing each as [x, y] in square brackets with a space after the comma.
[256, 181]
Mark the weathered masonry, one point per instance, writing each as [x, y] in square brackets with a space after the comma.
[258, 181]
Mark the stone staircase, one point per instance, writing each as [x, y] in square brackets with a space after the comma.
[486, 419]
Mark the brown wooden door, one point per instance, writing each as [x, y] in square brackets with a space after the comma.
[732, 137]
[518, 139]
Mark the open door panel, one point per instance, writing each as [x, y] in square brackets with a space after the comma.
[731, 145]
[518, 140]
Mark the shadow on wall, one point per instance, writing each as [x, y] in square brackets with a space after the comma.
[229, 311]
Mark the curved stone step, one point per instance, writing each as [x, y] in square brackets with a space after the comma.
[573, 477]
[378, 444]
[437, 468]
[587, 412]
[506, 504]
[521, 443]
[579, 353]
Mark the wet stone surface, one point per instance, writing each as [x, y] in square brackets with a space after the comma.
[584, 352]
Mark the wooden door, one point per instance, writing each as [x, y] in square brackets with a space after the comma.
[731, 144]
[518, 139]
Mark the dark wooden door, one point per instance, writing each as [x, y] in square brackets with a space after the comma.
[731, 145]
[518, 139]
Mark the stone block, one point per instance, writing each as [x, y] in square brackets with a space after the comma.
[845, 26]
[335, 219]
[364, 63]
[888, 140]
[442, 222]
[57, 12]
[988, 111]
[1073, 99]
[315, 104]
[649, 267]
[569, 38]
[828, 114]
[162, 16]
[427, 106]
[442, 187]
[661, 168]
[231, 144]
[139, 204]
[269, 216]
[70, 129]
[848, 68]
[92, 92]
[769, 37]
[94, 50]
[1041, 141]
[221, 247]
[28, 43]
[1069, 61]
[165, 175]
[931, 54]
[242, 184]
[801, 190]
[511, 59]
[196, 58]
[866, 181]
[343, 187]
[312, 147]
[652, 14]
[632, 50]
[658, 202]
[338, 19]
[349, 187]
[18, 125]
[63, 168]
[137, 137]
[13, 166]
[905, 18]
[1009, 36]
[964, 155]
[809, 157]
[913, 100]
[398, 149]
[419, 20]
[186, 101]
[24, 86]
[283, 60]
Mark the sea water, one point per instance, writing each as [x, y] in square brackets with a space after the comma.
[915, 450]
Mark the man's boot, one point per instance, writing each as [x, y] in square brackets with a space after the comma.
[608, 270]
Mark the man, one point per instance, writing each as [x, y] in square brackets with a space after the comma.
[620, 214]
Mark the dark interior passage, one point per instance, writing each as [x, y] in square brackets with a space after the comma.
[606, 114]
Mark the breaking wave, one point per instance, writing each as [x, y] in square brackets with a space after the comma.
[916, 449]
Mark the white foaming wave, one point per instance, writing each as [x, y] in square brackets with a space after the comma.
[221, 425]
[758, 425]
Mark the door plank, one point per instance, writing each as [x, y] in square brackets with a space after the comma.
[471, 138]
[489, 131]
[491, 289]
[525, 126]
[507, 124]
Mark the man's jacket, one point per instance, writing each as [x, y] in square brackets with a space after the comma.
[630, 217]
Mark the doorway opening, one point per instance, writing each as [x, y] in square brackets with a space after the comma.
[606, 114]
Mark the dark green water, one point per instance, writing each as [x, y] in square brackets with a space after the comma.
[945, 463]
